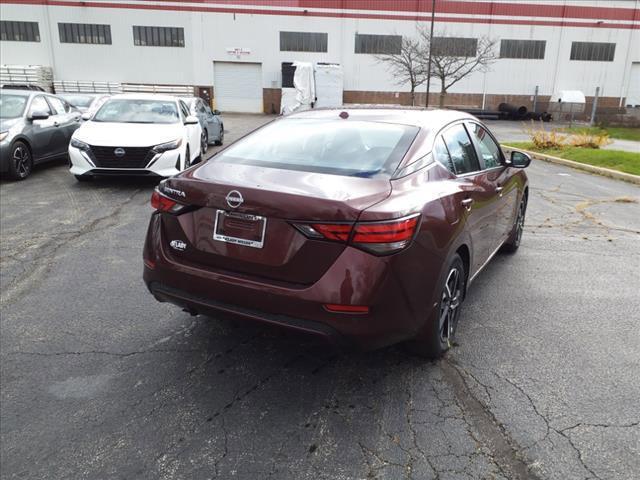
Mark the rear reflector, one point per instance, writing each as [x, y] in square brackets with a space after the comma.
[163, 203]
[149, 263]
[379, 238]
[334, 308]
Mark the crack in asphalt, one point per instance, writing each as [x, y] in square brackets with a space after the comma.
[601, 425]
[225, 450]
[483, 448]
[238, 397]
[208, 359]
[561, 432]
[374, 470]
[533, 406]
[550, 427]
[581, 207]
[505, 453]
[40, 265]
[414, 434]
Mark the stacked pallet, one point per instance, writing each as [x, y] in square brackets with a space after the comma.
[36, 75]
[78, 86]
[177, 90]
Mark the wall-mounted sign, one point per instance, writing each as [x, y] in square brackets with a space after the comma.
[238, 52]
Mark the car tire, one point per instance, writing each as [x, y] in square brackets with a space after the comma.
[204, 142]
[84, 178]
[187, 158]
[513, 242]
[20, 161]
[438, 333]
[221, 139]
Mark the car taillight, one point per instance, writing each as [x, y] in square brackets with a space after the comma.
[380, 238]
[162, 203]
[338, 231]
[384, 238]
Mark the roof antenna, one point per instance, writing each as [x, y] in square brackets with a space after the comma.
[344, 115]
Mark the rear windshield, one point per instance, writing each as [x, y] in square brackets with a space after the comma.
[137, 111]
[339, 147]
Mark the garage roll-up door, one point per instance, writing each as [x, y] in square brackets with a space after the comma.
[238, 87]
[633, 97]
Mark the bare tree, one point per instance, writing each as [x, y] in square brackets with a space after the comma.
[407, 66]
[452, 59]
[455, 58]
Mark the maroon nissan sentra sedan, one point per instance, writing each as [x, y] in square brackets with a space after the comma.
[364, 226]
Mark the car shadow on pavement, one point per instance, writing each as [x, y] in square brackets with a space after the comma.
[121, 182]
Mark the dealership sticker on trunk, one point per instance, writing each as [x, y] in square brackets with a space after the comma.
[178, 245]
[239, 228]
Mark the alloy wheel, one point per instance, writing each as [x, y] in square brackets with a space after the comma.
[520, 221]
[221, 135]
[449, 305]
[204, 142]
[187, 159]
[22, 161]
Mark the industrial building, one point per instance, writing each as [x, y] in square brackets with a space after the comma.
[234, 50]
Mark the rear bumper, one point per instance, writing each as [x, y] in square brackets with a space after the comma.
[194, 304]
[397, 289]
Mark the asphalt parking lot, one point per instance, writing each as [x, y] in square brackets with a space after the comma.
[99, 381]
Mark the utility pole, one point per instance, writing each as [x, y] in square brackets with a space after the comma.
[594, 108]
[433, 18]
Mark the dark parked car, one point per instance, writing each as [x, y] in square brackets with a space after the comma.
[210, 121]
[363, 226]
[34, 127]
[22, 86]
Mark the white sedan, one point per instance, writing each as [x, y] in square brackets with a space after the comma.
[136, 134]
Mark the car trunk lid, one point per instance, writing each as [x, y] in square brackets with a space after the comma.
[281, 198]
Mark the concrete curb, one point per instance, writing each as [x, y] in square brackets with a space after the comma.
[606, 172]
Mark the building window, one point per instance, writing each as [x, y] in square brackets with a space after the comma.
[19, 31]
[158, 36]
[378, 44]
[85, 33]
[592, 51]
[533, 49]
[303, 42]
[454, 46]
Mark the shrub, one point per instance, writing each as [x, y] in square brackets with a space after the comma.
[588, 140]
[546, 139]
[554, 140]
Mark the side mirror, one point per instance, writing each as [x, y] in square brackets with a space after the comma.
[216, 112]
[191, 120]
[38, 115]
[520, 159]
[87, 116]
